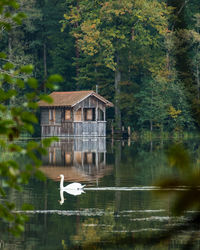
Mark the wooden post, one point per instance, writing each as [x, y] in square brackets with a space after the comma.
[54, 116]
[97, 110]
[104, 114]
[96, 115]
[82, 160]
[97, 159]
[82, 118]
[73, 112]
[129, 131]
[54, 156]
[112, 129]
[104, 158]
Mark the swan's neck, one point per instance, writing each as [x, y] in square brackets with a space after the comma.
[61, 182]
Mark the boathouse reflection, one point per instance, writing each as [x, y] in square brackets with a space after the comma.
[78, 159]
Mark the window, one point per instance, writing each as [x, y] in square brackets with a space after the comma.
[78, 157]
[89, 158]
[89, 115]
[101, 115]
[52, 115]
[52, 156]
[67, 114]
[68, 158]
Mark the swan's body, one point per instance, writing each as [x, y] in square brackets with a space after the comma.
[72, 186]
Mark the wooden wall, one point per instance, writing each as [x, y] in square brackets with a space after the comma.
[75, 127]
[91, 102]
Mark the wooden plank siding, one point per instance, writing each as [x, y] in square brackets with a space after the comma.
[75, 129]
[87, 119]
[90, 102]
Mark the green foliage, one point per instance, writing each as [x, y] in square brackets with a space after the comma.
[142, 40]
[187, 179]
[47, 39]
[16, 120]
[164, 105]
[110, 37]
[109, 27]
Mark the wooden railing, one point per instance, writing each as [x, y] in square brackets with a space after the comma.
[86, 128]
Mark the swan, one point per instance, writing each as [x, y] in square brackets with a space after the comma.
[72, 186]
[74, 192]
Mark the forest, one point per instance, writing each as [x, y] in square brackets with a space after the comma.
[142, 55]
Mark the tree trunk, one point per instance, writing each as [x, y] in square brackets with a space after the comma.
[10, 58]
[151, 120]
[10, 48]
[198, 80]
[197, 69]
[117, 93]
[77, 51]
[151, 125]
[118, 155]
[45, 64]
[77, 57]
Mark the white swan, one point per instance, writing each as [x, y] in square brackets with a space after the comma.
[73, 186]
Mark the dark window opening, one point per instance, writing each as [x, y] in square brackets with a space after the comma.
[52, 115]
[89, 114]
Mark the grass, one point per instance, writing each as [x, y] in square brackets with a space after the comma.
[146, 135]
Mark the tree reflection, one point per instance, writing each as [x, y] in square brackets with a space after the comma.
[93, 229]
[180, 231]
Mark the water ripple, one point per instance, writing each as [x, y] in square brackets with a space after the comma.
[137, 188]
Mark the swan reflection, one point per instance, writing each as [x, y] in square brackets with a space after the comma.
[71, 192]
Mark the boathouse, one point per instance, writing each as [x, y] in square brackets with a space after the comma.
[75, 113]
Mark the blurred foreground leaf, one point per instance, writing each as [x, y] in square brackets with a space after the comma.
[17, 118]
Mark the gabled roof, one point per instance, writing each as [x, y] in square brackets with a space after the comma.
[72, 98]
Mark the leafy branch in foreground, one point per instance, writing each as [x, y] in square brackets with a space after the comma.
[187, 178]
[16, 120]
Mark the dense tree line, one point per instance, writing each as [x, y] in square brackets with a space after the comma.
[143, 55]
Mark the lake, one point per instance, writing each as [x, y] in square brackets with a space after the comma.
[119, 199]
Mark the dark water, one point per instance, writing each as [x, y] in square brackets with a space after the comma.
[119, 198]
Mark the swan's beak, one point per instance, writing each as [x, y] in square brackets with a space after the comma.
[58, 177]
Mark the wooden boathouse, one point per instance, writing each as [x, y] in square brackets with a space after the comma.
[75, 113]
